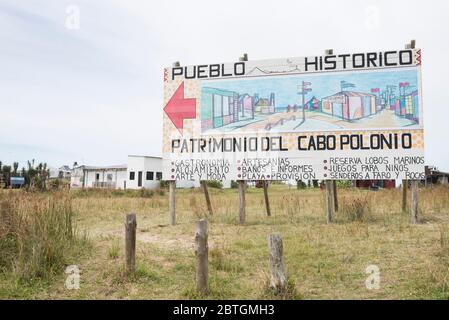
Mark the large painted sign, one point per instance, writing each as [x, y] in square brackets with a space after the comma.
[348, 116]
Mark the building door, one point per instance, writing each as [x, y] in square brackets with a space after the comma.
[337, 109]
[346, 111]
[139, 179]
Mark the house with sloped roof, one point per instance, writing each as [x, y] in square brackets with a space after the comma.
[265, 105]
[349, 105]
[313, 104]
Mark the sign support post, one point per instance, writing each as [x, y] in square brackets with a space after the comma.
[404, 195]
[242, 208]
[242, 183]
[172, 202]
[206, 195]
[330, 206]
[267, 201]
[414, 202]
[328, 52]
[334, 185]
[172, 185]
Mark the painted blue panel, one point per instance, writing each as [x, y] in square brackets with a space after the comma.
[366, 106]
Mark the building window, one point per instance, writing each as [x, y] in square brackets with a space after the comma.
[150, 175]
[158, 175]
[132, 175]
[218, 105]
[226, 110]
[97, 176]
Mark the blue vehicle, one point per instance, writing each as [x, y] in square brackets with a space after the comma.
[17, 182]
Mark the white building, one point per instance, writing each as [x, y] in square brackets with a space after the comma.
[112, 177]
[144, 172]
[63, 172]
[140, 172]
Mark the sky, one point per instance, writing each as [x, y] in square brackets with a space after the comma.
[83, 80]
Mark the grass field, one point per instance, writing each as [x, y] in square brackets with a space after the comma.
[323, 261]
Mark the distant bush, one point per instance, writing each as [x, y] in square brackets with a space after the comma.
[54, 184]
[234, 184]
[215, 184]
[112, 193]
[300, 184]
[164, 184]
[344, 183]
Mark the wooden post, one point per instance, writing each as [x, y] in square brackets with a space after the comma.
[206, 194]
[242, 183]
[267, 201]
[404, 195]
[334, 182]
[202, 253]
[330, 207]
[130, 242]
[242, 191]
[172, 202]
[414, 202]
[278, 278]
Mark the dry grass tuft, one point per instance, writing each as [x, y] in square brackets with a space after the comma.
[37, 233]
[356, 209]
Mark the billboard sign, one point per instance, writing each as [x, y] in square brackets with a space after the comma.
[345, 116]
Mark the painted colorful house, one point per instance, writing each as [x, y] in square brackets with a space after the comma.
[397, 108]
[313, 104]
[246, 106]
[349, 105]
[222, 107]
[408, 106]
[218, 108]
[264, 105]
[391, 101]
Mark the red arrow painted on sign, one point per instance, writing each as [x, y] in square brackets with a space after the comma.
[180, 108]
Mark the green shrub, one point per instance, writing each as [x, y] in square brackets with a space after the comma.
[164, 184]
[300, 184]
[344, 183]
[215, 184]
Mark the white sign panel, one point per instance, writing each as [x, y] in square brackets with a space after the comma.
[348, 116]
